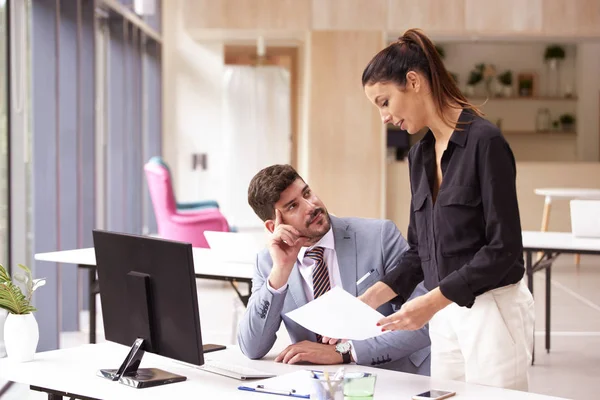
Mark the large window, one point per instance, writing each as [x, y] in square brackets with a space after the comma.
[3, 134]
[95, 120]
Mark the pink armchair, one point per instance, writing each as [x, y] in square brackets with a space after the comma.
[188, 226]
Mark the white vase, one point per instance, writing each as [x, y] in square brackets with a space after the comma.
[21, 336]
[507, 91]
[3, 315]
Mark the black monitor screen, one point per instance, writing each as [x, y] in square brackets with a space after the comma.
[148, 291]
[397, 138]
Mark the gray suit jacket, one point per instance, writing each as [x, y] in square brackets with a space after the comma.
[360, 245]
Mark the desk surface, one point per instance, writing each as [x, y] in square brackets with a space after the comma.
[205, 262]
[569, 193]
[74, 371]
[563, 242]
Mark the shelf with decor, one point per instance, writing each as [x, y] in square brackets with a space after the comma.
[523, 98]
[554, 134]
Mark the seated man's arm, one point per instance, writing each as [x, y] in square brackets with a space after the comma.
[258, 328]
[398, 344]
[394, 345]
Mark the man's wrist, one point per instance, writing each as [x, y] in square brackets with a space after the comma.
[344, 349]
[340, 358]
[279, 276]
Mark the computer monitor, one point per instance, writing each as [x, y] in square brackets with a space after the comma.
[399, 140]
[149, 299]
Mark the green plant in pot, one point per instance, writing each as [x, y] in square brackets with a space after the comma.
[21, 332]
[475, 76]
[554, 53]
[567, 122]
[526, 87]
[506, 80]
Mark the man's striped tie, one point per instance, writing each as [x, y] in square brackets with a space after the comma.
[320, 275]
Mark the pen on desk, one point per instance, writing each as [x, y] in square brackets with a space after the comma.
[261, 388]
[361, 280]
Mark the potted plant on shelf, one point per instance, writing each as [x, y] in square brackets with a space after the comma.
[556, 125]
[553, 54]
[488, 72]
[21, 332]
[506, 81]
[525, 85]
[567, 121]
[474, 78]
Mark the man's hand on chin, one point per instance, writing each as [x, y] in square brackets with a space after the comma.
[310, 352]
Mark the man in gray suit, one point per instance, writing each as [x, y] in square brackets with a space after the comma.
[309, 252]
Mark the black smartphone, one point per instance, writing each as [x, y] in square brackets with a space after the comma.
[434, 395]
[208, 348]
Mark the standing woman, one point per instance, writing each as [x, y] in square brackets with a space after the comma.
[464, 231]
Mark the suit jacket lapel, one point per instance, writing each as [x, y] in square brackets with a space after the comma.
[296, 287]
[345, 249]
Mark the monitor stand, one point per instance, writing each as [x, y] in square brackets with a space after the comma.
[129, 374]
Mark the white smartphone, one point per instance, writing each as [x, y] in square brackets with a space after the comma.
[434, 395]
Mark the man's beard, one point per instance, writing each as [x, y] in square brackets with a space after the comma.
[318, 231]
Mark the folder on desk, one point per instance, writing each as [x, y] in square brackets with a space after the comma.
[296, 384]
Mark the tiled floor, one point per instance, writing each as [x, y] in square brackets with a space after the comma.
[571, 370]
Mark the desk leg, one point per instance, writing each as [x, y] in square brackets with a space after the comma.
[545, 219]
[92, 307]
[548, 288]
[529, 271]
[58, 395]
[243, 298]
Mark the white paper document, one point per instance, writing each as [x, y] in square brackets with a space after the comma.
[337, 314]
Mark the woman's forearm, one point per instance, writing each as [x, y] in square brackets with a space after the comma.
[377, 295]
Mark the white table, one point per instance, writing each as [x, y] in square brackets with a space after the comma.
[72, 372]
[206, 266]
[565, 194]
[552, 244]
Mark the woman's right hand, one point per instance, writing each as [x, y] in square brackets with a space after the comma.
[372, 297]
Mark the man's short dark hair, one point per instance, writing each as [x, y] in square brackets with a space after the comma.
[266, 187]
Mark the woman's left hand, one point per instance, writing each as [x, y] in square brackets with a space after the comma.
[416, 313]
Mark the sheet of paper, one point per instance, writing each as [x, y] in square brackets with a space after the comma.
[337, 314]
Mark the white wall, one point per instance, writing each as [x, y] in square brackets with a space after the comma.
[588, 109]
[192, 107]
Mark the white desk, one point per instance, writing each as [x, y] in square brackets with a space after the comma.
[206, 266]
[552, 244]
[72, 372]
[564, 194]
[568, 193]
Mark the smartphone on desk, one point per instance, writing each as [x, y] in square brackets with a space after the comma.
[209, 348]
[434, 395]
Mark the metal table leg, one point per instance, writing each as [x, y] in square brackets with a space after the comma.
[92, 299]
[548, 297]
[529, 271]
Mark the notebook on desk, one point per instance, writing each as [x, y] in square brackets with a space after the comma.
[585, 218]
[235, 247]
